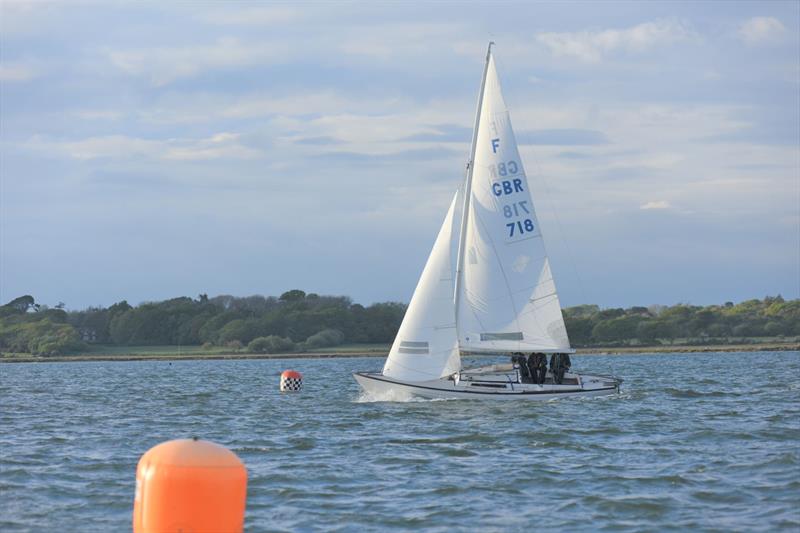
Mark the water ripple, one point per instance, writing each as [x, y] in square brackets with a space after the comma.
[692, 443]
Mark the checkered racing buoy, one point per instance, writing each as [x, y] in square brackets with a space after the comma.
[291, 381]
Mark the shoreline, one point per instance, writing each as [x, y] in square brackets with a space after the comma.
[599, 350]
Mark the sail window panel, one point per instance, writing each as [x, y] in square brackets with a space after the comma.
[413, 351]
[414, 344]
[414, 347]
[513, 336]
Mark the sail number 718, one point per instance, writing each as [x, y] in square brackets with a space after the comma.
[521, 226]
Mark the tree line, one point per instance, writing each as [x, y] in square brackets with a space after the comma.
[296, 321]
[773, 317]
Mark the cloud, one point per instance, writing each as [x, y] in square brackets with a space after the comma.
[219, 146]
[366, 134]
[592, 46]
[23, 17]
[164, 65]
[366, 120]
[322, 140]
[658, 204]
[187, 108]
[760, 125]
[385, 41]
[97, 114]
[16, 72]
[252, 16]
[107, 146]
[443, 133]
[761, 30]
[400, 157]
[561, 137]
[573, 155]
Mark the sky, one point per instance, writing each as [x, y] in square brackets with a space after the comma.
[155, 150]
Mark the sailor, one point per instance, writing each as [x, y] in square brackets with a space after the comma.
[532, 368]
[543, 367]
[519, 360]
[559, 364]
[537, 363]
[554, 363]
[531, 362]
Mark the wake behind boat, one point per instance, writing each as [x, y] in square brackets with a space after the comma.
[486, 288]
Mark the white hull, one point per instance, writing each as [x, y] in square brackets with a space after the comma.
[492, 382]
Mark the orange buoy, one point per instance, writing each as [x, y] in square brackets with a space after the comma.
[291, 381]
[189, 485]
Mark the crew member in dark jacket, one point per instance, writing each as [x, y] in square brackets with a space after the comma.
[537, 363]
[559, 364]
[524, 374]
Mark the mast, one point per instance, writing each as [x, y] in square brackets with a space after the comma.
[468, 187]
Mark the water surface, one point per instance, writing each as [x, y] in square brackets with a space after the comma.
[696, 441]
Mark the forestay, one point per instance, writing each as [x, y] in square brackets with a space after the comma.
[426, 346]
[506, 299]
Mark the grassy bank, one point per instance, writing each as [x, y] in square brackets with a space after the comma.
[177, 353]
[757, 347]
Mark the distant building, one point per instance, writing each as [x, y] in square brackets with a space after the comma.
[87, 334]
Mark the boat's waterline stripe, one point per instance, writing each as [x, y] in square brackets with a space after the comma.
[514, 393]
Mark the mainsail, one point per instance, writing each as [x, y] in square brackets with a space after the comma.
[505, 297]
[426, 346]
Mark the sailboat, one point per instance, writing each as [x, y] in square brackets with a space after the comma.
[486, 288]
